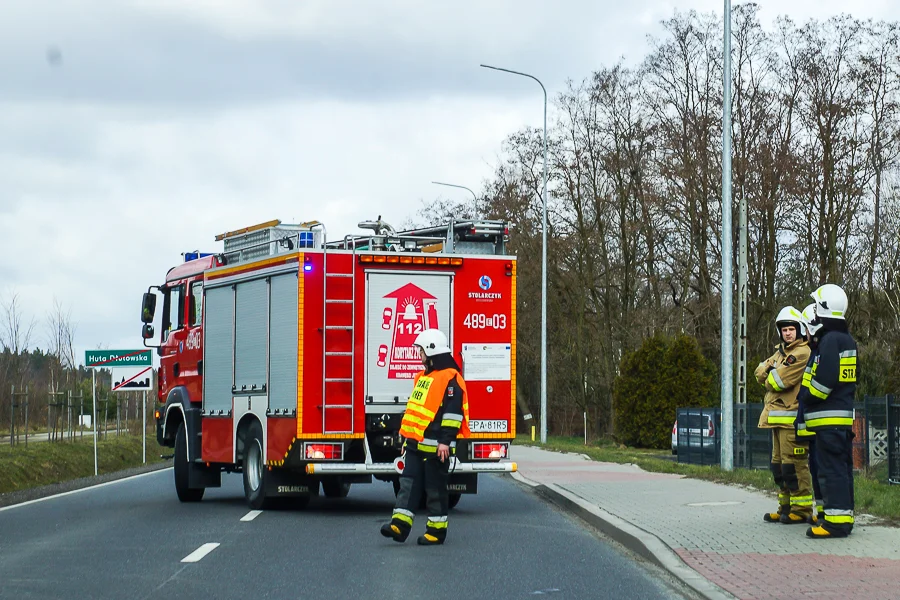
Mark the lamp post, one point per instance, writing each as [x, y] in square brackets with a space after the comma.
[462, 187]
[543, 261]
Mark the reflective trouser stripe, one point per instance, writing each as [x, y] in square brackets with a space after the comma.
[403, 515]
[838, 518]
[802, 500]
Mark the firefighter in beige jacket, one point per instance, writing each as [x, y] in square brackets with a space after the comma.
[782, 375]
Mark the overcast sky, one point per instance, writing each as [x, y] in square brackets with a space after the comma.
[134, 130]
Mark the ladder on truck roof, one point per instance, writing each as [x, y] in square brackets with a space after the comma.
[337, 355]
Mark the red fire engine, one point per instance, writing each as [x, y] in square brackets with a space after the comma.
[289, 358]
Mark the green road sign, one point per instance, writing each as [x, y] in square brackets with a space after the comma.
[118, 358]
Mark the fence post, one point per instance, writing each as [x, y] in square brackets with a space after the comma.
[26, 416]
[12, 415]
[69, 414]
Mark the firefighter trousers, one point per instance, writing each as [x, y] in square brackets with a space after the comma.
[834, 451]
[790, 468]
[814, 474]
[423, 472]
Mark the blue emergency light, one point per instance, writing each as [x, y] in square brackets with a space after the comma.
[307, 239]
[189, 256]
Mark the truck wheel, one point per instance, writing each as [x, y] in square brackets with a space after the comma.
[454, 500]
[255, 470]
[181, 467]
[333, 487]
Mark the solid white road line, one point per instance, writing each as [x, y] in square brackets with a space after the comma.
[84, 489]
[251, 515]
[200, 552]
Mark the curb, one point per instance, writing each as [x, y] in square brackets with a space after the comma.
[634, 538]
[26, 495]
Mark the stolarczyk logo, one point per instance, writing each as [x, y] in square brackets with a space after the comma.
[485, 282]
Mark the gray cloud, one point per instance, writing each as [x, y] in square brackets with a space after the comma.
[122, 54]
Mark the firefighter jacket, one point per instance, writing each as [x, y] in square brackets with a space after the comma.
[829, 383]
[437, 411]
[782, 375]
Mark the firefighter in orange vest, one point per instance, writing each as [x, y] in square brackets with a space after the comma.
[782, 376]
[436, 413]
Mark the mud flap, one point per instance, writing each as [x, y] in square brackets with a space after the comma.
[201, 476]
[282, 483]
[463, 483]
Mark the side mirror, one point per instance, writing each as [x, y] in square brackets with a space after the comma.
[147, 332]
[148, 309]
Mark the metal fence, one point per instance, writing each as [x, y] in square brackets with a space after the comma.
[893, 439]
[876, 443]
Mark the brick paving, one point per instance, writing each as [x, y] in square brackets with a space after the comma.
[718, 531]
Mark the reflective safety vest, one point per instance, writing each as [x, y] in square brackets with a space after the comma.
[424, 404]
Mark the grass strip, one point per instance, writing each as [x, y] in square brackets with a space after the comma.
[44, 463]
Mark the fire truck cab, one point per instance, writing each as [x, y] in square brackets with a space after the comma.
[289, 358]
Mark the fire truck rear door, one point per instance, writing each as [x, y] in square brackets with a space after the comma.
[399, 306]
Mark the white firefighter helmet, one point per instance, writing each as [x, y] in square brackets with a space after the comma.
[809, 319]
[790, 316]
[433, 341]
[831, 301]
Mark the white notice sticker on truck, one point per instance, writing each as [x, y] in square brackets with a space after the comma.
[487, 362]
[489, 426]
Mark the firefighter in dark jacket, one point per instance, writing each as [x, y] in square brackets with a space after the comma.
[805, 436]
[436, 413]
[829, 387]
[781, 374]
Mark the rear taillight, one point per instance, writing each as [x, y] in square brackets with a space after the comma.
[675, 428]
[712, 429]
[489, 450]
[319, 451]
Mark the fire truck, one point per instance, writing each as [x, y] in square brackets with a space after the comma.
[289, 358]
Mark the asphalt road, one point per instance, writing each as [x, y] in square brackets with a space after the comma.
[128, 539]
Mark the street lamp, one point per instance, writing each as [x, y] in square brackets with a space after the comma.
[462, 187]
[543, 262]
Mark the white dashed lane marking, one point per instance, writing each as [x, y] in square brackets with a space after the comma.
[251, 515]
[200, 552]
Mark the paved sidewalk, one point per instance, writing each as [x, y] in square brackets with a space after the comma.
[716, 530]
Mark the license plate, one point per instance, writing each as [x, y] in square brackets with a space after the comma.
[488, 426]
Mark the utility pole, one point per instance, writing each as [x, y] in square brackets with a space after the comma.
[727, 368]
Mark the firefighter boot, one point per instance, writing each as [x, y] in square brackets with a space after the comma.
[820, 533]
[784, 497]
[399, 527]
[784, 507]
[435, 532]
[789, 518]
[775, 517]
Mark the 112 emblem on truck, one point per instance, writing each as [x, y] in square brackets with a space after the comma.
[289, 359]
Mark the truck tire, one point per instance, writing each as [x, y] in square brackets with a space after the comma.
[255, 470]
[333, 487]
[454, 500]
[181, 467]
